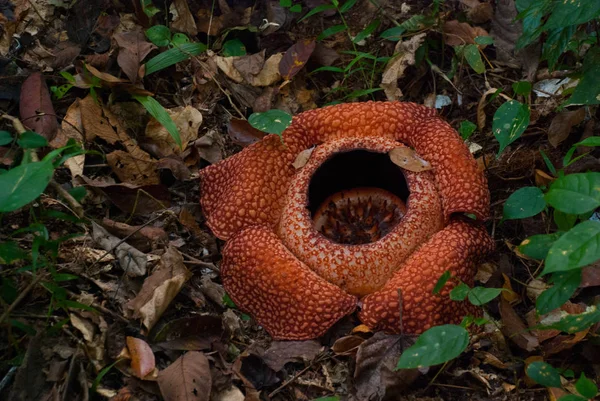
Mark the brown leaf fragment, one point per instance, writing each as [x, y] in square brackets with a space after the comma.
[132, 261]
[160, 288]
[186, 379]
[187, 219]
[324, 55]
[563, 123]
[65, 53]
[142, 357]
[176, 166]
[347, 345]
[295, 58]
[590, 276]
[104, 76]
[141, 237]
[303, 158]
[408, 159]
[404, 55]
[133, 48]
[242, 133]
[209, 147]
[282, 352]
[514, 329]
[183, 20]
[187, 119]
[134, 167]
[249, 65]
[35, 100]
[460, 33]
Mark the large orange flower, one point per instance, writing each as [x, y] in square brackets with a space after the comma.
[303, 245]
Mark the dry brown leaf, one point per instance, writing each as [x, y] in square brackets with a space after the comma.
[534, 288]
[142, 357]
[183, 20]
[479, 12]
[132, 261]
[209, 147]
[242, 133]
[590, 276]
[187, 219]
[143, 238]
[303, 158]
[187, 119]
[134, 167]
[514, 329]
[563, 123]
[282, 352]
[225, 64]
[133, 48]
[509, 295]
[542, 179]
[188, 378]
[104, 76]
[160, 288]
[270, 72]
[491, 359]
[404, 55]
[460, 33]
[295, 58]
[35, 100]
[347, 345]
[408, 159]
[249, 65]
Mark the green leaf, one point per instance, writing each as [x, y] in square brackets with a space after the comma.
[285, 3]
[59, 277]
[466, 129]
[331, 31]
[160, 114]
[589, 141]
[442, 282]
[575, 323]
[366, 32]
[149, 9]
[329, 69]
[8, 290]
[160, 35]
[418, 22]
[531, 15]
[394, 33]
[24, 184]
[227, 301]
[572, 12]
[572, 397]
[575, 193]
[101, 375]
[522, 88]
[437, 345]
[173, 56]
[472, 55]
[524, 202]
[234, 47]
[481, 295]
[563, 289]
[316, 10]
[579, 247]
[460, 292]
[510, 121]
[27, 329]
[588, 89]
[556, 43]
[564, 221]
[347, 6]
[484, 40]
[60, 91]
[361, 92]
[78, 193]
[179, 39]
[31, 140]
[544, 374]
[11, 252]
[586, 387]
[5, 138]
[273, 121]
[537, 246]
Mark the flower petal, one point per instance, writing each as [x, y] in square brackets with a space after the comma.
[288, 299]
[457, 248]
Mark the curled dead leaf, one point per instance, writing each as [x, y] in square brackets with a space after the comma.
[404, 55]
[408, 159]
[142, 357]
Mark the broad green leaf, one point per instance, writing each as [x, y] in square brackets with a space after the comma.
[589, 141]
[524, 202]
[23, 184]
[5, 138]
[481, 295]
[472, 55]
[531, 14]
[160, 35]
[564, 221]
[173, 56]
[331, 31]
[442, 282]
[575, 323]
[564, 287]
[273, 121]
[179, 39]
[160, 114]
[296, 8]
[60, 91]
[316, 10]
[572, 12]
[366, 32]
[556, 43]
[78, 193]
[510, 121]
[11, 252]
[347, 6]
[460, 292]
[544, 374]
[579, 247]
[414, 23]
[588, 89]
[575, 193]
[435, 346]
[234, 47]
[8, 290]
[394, 33]
[522, 88]
[484, 40]
[149, 8]
[537, 246]
[586, 387]
[466, 129]
[285, 3]
[572, 397]
[31, 140]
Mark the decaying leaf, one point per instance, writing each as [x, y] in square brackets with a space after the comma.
[192, 333]
[183, 20]
[160, 288]
[514, 329]
[143, 238]
[242, 133]
[187, 119]
[209, 148]
[142, 357]
[303, 158]
[251, 69]
[479, 12]
[295, 58]
[460, 33]
[134, 167]
[132, 261]
[408, 159]
[188, 378]
[404, 55]
[563, 123]
[282, 352]
[133, 48]
[347, 345]
[36, 108]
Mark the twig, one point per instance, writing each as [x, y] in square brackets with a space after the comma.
[194, 261]
[76, 206]
[21, 296]
[297, 375]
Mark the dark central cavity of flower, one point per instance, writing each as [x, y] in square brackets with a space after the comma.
[357, 197]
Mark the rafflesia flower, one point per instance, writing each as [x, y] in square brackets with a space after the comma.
[308, 245]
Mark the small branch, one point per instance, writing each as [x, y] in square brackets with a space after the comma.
[21, 296]
[76, 206]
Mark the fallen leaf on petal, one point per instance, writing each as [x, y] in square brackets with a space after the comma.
[408, 159]
[131, 260]
[242, 133]
[187, 119]
[35, 100]
[563, 123]
[133, 48]
[160, 288]
[302, 158]
[404, 55]
[142, 357]
[460, 33]
[189, 376]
